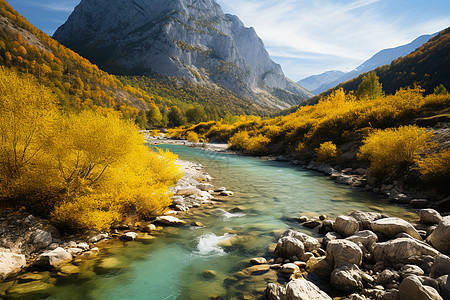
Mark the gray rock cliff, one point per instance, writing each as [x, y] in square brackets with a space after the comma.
[192, 39]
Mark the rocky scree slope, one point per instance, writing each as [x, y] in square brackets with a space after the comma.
[192, 39]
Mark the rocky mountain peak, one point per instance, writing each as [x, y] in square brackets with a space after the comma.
[192, 39]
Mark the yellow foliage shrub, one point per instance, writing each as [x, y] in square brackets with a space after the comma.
[155, 133]
[251, 144]
[192, 137]
[326, 152]
[436, 167]
[394, 147]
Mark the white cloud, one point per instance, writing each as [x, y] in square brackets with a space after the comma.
[58, 6]
[342, 31]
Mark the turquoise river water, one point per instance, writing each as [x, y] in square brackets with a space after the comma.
[269, 195]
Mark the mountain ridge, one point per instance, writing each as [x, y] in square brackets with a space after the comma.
[192, 39]
[381, 58]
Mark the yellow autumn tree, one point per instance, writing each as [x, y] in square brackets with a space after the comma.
[85, 170]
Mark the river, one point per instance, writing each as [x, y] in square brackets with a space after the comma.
[268, 196]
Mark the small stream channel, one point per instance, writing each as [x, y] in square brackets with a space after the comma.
[268, 195]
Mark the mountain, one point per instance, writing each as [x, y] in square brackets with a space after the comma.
[427, 66]
[189, 39]
[79, 84]
[384, 57]
[313, 82]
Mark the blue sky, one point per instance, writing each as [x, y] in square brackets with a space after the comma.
[306, 37]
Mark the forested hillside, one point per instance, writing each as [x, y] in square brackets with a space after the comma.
[359, 128]
[80, 84]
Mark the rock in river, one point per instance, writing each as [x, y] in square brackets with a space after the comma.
[169, 220]
[289, 246]
[309, 242]
[10, 263]
[53, 258]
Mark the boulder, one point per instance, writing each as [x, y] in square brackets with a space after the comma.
[365, 218]
[326, 226]
[302, 289]
[397, 250]
[319, 266]
[10, 264]
[347, 278]
[441, 266]
[129, 236]
[149, 228]
[289, 268]
[344, 251]
[441, 236]
[365, 237]
[74, 251]
[387, 277]
[311, 224]
[97, 238]
[205, 187]
[408, 270]
[275, 292]
[443, 283]
[226, 193]
[430, 216]
[258, 261]
[390, 227]
[187, 191]
[412, 288]
[53, 258]
[345, 225]
[309, 242]
[41, 239]
[289, 246]
[330, 236]
[169, 220]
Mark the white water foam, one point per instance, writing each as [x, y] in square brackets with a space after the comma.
[227, 215]
[208, 244]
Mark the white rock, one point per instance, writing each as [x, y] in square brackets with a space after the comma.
[169, 220]
[10, 264]
[53, 258]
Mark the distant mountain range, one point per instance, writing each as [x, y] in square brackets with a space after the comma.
[384, 57]
[427, 66]
[189, 39]
[314, 82]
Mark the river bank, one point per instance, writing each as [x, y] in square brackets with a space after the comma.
[396, 192]
[34, 255]
[191, 261]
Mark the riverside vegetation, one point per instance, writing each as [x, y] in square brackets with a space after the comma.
[362, 128]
